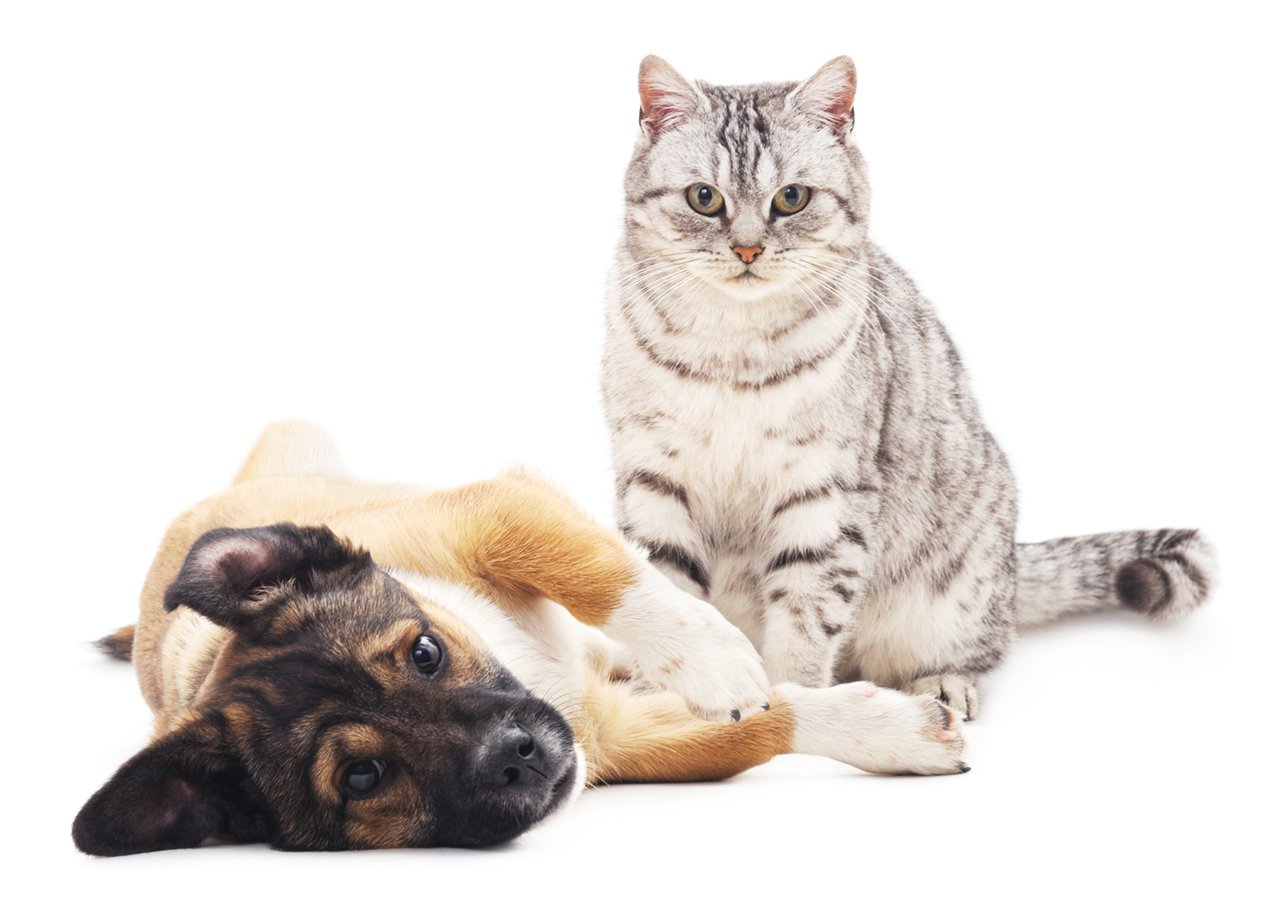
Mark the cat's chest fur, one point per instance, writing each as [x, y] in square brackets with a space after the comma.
[732, 446]
[737, 451]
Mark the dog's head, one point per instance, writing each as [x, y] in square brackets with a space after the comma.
[342, 713]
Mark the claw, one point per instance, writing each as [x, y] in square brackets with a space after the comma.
[948, 717]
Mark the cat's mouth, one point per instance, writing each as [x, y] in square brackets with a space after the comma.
[748, 284]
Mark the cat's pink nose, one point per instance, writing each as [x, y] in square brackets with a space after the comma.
[746, 254]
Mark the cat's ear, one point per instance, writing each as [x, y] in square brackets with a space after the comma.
[827, 97]
[667, 99]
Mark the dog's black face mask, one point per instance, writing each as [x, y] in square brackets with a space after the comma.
[342, 714]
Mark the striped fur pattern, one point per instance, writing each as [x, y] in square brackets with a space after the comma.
[794, 437]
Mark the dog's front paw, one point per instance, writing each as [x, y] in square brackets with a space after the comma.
[875, 729]
[683, 644]
[711, 664]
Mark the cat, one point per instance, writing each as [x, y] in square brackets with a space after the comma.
[794, 437]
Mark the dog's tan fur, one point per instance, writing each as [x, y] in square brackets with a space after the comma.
[517, 543]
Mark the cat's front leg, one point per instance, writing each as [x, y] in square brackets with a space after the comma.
[813, 586]
[689, 655]
[653, 512]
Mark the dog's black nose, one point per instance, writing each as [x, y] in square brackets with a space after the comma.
[514, 759]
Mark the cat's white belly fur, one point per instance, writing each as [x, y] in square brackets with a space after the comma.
[733, 452]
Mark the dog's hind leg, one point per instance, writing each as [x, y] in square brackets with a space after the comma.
[653, 738]
[292, 447]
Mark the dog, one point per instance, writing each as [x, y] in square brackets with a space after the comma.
[336, 664]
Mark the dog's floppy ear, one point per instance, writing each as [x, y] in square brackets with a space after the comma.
[233, 576]
[181, 790]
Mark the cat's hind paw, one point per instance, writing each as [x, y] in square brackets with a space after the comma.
[958, 691]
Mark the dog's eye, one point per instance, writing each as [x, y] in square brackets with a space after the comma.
[427, 654]
[363, 777]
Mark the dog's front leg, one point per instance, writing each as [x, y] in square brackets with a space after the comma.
[518, 537]
[685, 645]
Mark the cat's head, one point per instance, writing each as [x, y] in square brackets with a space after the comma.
[748, 190]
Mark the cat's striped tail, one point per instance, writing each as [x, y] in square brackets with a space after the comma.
[1164, 574]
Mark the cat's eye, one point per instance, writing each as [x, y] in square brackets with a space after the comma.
[362, 778]
[704, 199]
[791, 199]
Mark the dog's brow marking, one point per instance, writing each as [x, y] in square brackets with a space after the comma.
[386, 653]
[336, 745]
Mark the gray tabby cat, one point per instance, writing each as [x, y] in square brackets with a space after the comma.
[793, 433]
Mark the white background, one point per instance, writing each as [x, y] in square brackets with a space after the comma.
[397, 220]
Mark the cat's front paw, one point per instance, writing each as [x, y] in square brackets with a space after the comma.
[683, 644]
[957, 691]
[875, 729]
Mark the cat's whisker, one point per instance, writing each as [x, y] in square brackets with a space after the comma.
[858, 288]
[661, 290]
[814, 297]
[655, 287]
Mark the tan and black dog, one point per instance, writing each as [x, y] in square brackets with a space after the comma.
[338, 664]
